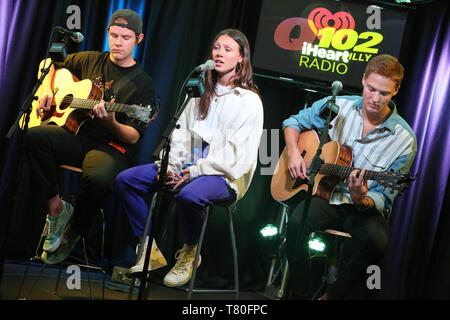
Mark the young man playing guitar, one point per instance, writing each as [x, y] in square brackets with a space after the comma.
[380, 140]
[103, 145]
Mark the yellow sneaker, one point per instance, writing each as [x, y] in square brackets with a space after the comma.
[181, 272]
[157, 259]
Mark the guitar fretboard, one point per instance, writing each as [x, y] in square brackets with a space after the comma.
[90, 104]
[341, 171]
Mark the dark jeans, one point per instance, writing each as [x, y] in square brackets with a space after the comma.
[369, 228]
[50, 146]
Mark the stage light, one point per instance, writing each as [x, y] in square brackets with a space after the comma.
[269, 231]
[317, 244]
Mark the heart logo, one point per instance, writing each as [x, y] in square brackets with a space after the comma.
[321, 18]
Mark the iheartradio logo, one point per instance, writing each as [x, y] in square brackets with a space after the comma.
[321, 18]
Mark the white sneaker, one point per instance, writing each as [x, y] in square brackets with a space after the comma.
[157, 259]
[181, 273]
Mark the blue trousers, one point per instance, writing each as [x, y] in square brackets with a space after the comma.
[136, 183]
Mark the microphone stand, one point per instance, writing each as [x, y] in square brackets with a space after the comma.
[314, 169]
[194, 88]
[24, 112]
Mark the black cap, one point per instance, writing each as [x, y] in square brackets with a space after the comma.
[133, 19]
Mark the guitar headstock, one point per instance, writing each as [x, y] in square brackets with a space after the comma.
[395, 180]
[145, 114]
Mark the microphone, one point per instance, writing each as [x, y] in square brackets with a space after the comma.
[336, 87]
[77, 37]
[208, 65]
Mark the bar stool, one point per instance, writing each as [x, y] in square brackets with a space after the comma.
[87, 266]
[191, 289]
[229, 208]
[335, 239]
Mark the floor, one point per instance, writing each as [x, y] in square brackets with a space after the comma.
[71, 287]
[41, 294]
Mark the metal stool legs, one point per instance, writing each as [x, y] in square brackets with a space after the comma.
[35, 258]
[87, 266]
[235, 260]
[333, 260]
[141, 295]
[197, 255]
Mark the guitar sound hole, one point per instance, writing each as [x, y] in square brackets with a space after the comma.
[66, 102]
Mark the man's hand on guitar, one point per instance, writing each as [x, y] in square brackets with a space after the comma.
[101, 113]
[122, 132]
[45, 102]
[358, 188]
[296, 164]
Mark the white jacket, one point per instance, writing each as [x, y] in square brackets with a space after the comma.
[232, 128]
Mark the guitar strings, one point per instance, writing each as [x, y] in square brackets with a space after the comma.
[89, 104]
[344, 172]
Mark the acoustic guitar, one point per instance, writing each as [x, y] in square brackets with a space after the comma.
[74, 100]
[334, 168]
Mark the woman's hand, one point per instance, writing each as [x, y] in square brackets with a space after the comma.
[178, 179]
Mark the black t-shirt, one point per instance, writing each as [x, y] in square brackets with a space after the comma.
[128, 85]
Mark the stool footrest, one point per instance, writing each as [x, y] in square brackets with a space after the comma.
[214, 291]
[338, 233]
[90, 267]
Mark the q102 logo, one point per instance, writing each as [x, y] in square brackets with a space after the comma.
[339, 43]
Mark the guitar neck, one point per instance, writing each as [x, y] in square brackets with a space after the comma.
[343, 172]
[89, 104]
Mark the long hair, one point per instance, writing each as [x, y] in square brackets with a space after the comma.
[244, 72]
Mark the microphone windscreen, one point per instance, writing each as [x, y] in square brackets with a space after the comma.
[209, 65]
[78, 37]
[336, 87]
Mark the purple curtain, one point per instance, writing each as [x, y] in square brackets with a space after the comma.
[8, 14]
[23, 42]
[416, 215]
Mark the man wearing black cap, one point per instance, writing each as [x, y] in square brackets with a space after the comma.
[104, 145]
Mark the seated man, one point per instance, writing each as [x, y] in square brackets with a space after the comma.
[104, 145]
[381, 140]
